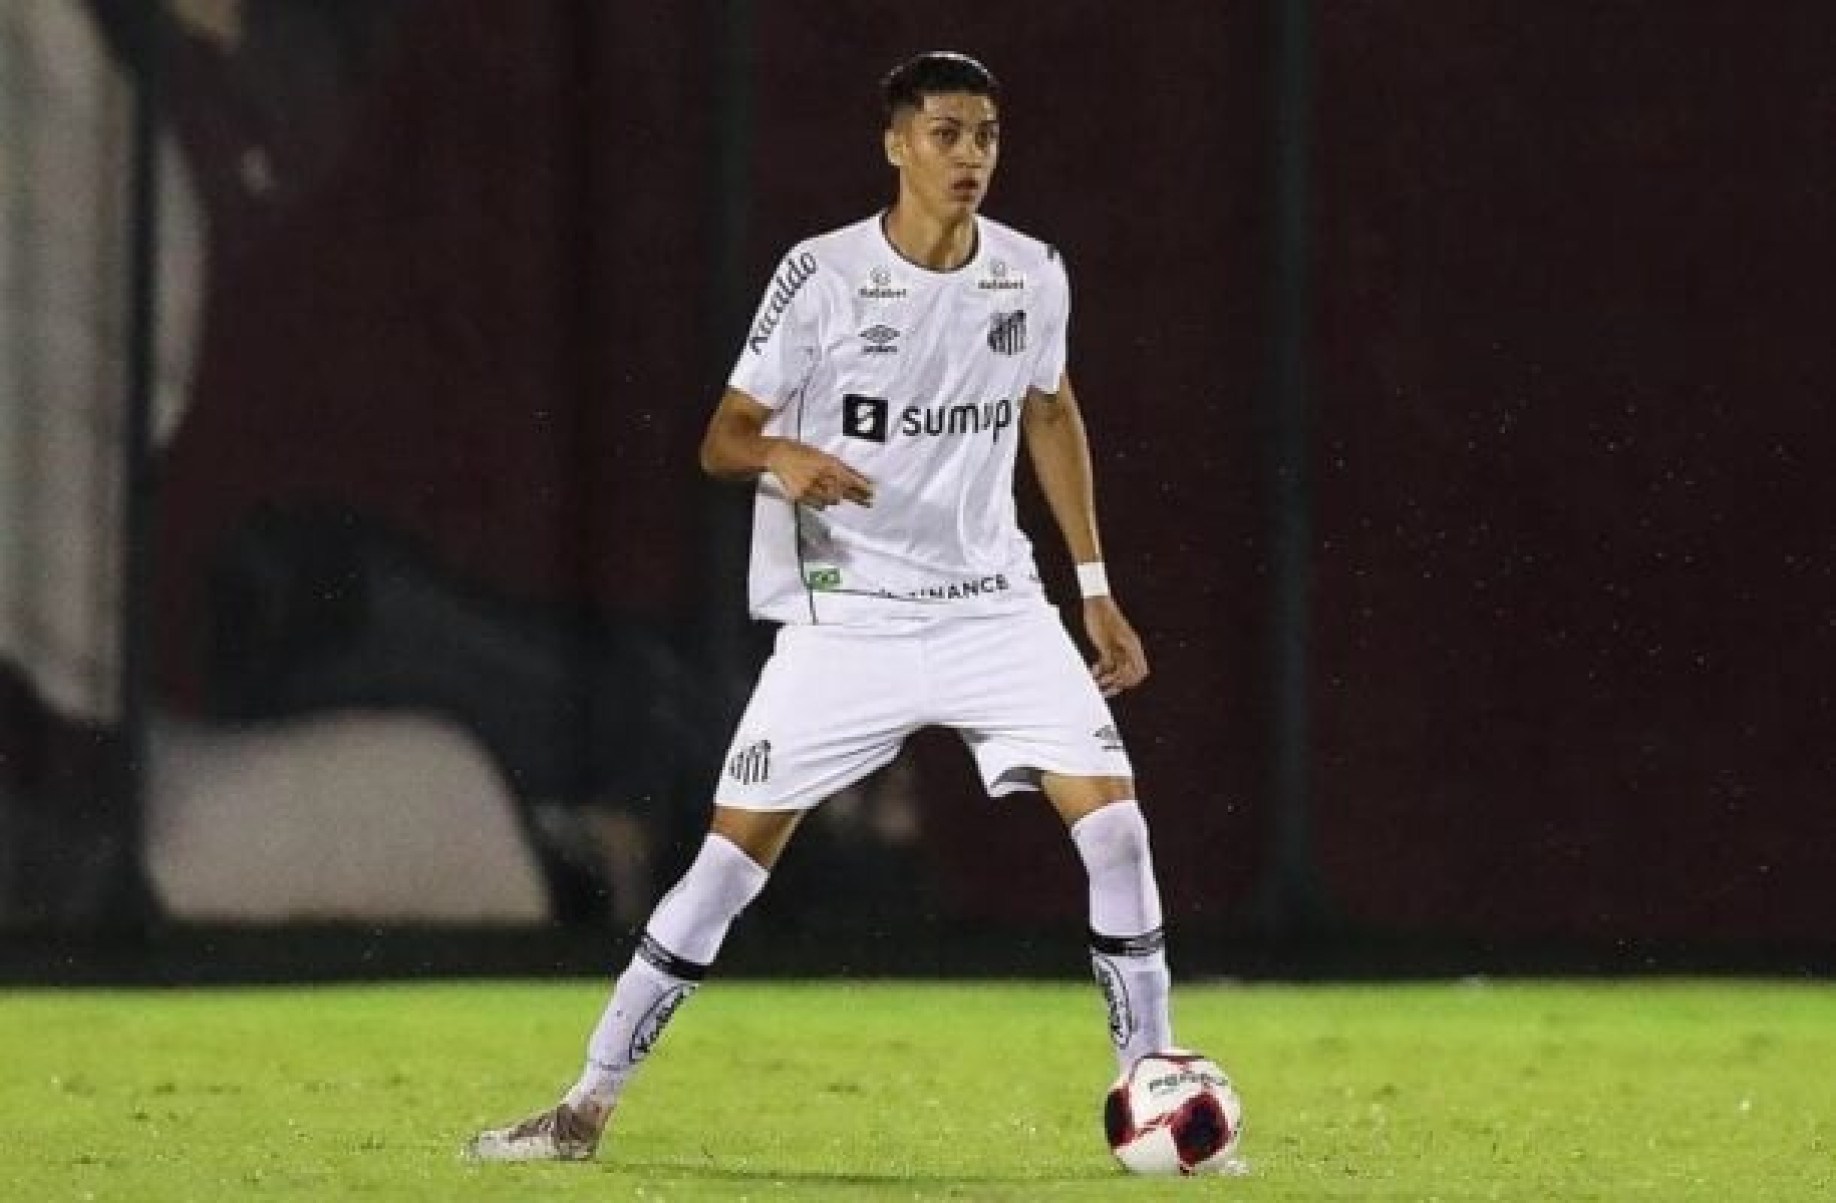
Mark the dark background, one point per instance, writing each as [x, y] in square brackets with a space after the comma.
[1570, 609]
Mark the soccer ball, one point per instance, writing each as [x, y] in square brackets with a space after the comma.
[1174, 1112]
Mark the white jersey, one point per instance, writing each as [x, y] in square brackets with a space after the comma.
[915, 378]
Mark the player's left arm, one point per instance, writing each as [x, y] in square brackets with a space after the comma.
[1060, 450]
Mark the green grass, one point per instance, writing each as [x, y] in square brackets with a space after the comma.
[1638, 1091]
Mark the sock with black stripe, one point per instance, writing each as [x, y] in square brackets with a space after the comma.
[679, 943]
[1127, 942]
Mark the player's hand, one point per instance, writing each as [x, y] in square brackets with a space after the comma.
[816, 478]
[1121, 663]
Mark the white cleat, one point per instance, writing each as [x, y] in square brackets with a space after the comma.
[562, 1133]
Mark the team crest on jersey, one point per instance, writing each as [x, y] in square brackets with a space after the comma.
[1007, 332]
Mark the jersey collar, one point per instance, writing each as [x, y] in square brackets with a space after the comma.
[975, 252]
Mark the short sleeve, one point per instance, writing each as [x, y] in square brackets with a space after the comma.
[781, 345]
[1049, 367]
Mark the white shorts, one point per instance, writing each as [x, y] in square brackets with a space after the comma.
[835, 703]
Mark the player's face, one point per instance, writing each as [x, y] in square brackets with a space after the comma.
[946, 151]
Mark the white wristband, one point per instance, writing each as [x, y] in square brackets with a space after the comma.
[1092, 579]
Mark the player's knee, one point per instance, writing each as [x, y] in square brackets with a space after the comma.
[761, 835]
[1077, 798]
[1113, 836]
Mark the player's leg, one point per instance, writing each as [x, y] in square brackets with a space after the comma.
[1127, 942]
[823, 716]
[1033, 718]
[678, 944]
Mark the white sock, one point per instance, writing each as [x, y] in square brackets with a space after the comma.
[680, 942]
[1127, 944]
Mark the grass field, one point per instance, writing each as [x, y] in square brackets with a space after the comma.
[1658, 1091]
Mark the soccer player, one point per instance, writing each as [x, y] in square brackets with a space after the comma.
[878, 401]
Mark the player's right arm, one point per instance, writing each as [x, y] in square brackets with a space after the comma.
[736, 447]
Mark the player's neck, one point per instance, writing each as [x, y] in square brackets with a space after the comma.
[940, 243]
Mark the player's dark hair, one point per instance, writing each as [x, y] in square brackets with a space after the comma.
[934, 73]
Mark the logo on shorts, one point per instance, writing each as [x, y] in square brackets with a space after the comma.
[751, 764]
[823, 579]
[1109, 737]
[1007, 332]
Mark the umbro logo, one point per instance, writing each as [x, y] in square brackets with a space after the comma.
[751, 764]
[880, 340]
[1007, 332]
[1108, 737]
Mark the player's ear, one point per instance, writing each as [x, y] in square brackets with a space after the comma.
[895, 146]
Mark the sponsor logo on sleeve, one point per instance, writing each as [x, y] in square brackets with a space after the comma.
[785, 286]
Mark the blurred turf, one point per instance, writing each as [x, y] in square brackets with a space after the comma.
[1636, 1091]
